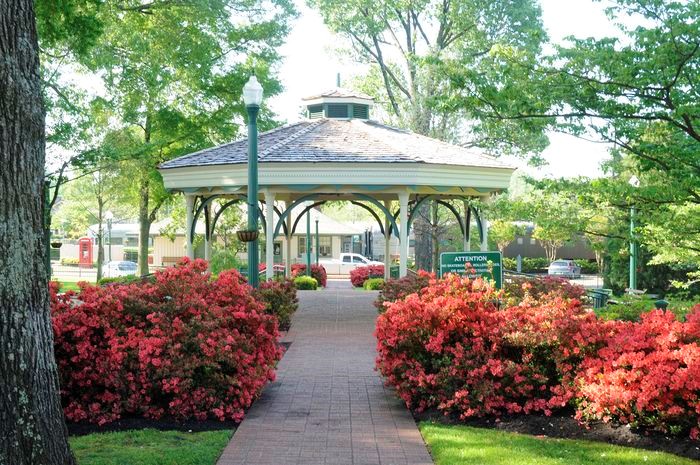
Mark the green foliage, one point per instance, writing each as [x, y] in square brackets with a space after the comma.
[373, 284]
[150, 447]
[130, 279]
[629, 308]
[464, 445]
[305, 283]
[587, 266]
[503, 232]
[280, 299]
[224, 259]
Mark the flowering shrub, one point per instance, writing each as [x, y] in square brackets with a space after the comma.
[515, 289]
[449, 347]
[318, 272]
[359, 275]
[280, 300]
[397, 289]
[182, 346]
[647, 374]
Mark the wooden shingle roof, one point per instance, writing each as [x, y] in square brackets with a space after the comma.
[339, 141]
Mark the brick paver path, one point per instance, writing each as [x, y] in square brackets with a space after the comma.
[328, 405]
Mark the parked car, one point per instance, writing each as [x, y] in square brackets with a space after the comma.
[567, 268]
[346, 263]
[117, 269]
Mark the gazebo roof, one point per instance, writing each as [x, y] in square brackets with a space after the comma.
[339, 92]
[340, 141]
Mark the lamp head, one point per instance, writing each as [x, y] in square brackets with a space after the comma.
[252, 92]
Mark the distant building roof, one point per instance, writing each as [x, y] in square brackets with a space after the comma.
[340, 141]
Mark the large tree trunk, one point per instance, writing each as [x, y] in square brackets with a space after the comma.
[32, 428]
[423, 241]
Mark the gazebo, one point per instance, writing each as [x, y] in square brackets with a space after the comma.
[337, 153]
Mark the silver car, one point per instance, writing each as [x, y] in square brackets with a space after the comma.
[117, 269]
[567, 268]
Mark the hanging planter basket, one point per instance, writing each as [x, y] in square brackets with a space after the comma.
[56, 245]
[247, 236]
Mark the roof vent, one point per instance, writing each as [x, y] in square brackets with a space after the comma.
[339, 103]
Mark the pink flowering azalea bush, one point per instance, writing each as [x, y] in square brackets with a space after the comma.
[182, 346]
[647, 374]
[454, 347]
[359, 275]
[318, 272]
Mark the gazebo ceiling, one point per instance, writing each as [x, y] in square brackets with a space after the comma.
[340, 157]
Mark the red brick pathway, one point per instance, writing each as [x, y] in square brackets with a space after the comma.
[328, 405]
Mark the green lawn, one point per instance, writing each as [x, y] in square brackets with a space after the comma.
[463, 445]
[150, 447]
[68, 286]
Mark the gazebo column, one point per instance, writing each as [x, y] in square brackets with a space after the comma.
[403, 233]
[467, 226]
[387, 243]
[189, 207]
[208, 234]
[288, 244]
[484, 233]
[269, 234]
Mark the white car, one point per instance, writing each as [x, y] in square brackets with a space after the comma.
[567, 268]
[117, 269]
[346, 263]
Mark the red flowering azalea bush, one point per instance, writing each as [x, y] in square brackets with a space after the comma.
[397, 289]
[359, 275]
[280, 300]
[318, 272]
[516, 289]
[182, 346]
[451, 348]
[647, 374]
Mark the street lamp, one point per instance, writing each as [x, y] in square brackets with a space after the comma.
[109, 217]
[252, 97]
[634, 182]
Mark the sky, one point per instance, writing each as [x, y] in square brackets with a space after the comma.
[311, 62]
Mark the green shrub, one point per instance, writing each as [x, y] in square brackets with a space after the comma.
[305, 283]
[588, 266]
[67, 261]
[630, 308]
[224, 260]
[510, 263]
[280, 299]
[124, 280]
[373, 284]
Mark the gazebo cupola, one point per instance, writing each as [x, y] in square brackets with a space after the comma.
[339, 103]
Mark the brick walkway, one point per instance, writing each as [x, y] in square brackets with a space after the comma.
[328, 405]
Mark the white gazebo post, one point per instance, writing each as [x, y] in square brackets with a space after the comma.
[484, 233]
[288, 244]
[403, 232]
[189, 206]
[208, 234]
[269, 233]
[387, 242]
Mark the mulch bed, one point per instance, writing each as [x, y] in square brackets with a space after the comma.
[566, 427]
[163, 424]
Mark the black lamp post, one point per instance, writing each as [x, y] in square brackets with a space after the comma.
[252, 96]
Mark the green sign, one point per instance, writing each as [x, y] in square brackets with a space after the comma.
[485, 264]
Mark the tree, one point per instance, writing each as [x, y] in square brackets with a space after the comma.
[503, 232]
[32, 429]
[410, 46]
[639, 92]
[174, 73]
